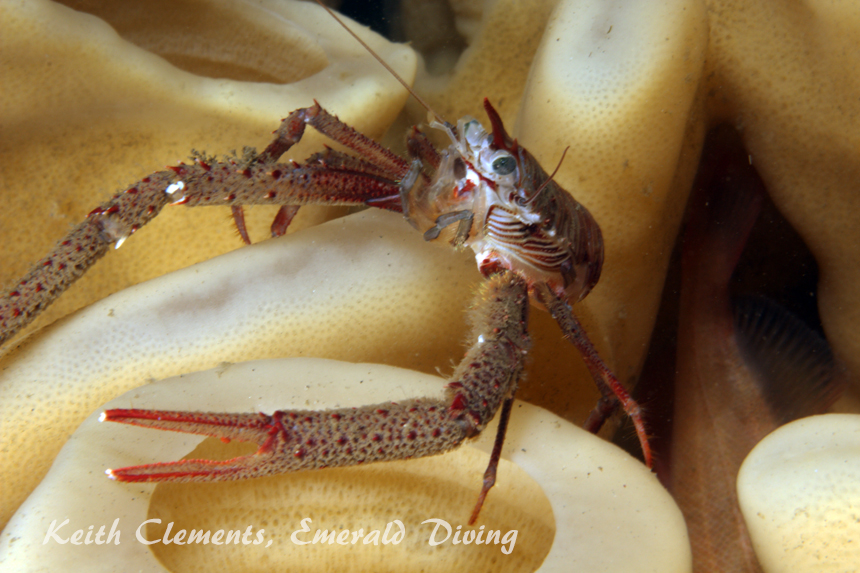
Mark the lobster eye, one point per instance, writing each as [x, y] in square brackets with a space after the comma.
[504, 165]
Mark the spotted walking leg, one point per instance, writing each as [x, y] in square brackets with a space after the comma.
[611, 389]
[329, 178]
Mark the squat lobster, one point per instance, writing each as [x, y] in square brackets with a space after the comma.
[533, 243]
[532, 240]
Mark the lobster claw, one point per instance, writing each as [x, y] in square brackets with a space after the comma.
[267, 431]
[293, 440]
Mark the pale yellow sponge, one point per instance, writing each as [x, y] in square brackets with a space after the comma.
[799, 491]
[630, 86]
[565, 500]
[786, 75]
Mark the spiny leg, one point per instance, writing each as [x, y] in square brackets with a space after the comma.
[238, 214]
[301, 439]
[290, 132]
[254, 179]
[228, 184]
[280, 223]
[495, 456]
[292, 128]
[110, 223]
[604, 378]
[602, 411]
[283, 218]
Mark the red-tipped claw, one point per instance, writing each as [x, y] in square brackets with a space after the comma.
[267, 431]
[295, 440]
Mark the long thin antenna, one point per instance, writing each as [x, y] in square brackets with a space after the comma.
[423, 103]
[545, 183]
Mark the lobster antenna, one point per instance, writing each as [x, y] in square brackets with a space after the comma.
[545, 183]
[423, 103]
